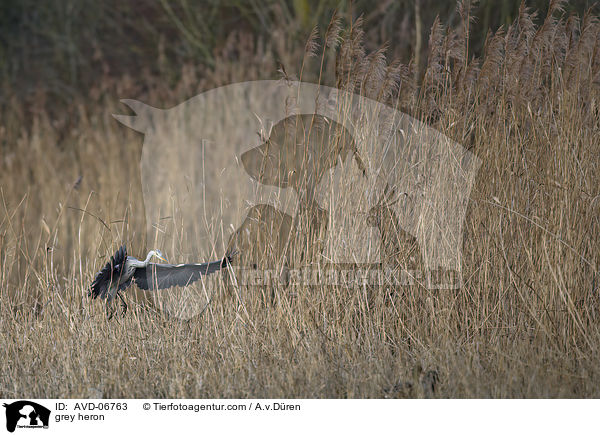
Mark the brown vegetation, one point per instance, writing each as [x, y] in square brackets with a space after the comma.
[525, 323]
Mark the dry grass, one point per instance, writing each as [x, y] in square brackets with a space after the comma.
[524, 324]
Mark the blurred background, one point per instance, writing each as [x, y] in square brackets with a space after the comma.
[64, 48]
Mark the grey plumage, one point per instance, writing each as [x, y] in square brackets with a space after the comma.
[123, 270]
[111, 276]
[162, 276]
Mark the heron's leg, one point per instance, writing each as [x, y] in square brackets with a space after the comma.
[123, 303]
[109, 312]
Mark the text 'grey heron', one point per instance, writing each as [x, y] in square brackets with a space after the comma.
[122, 270]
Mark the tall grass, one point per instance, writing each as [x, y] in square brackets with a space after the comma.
[524, 324]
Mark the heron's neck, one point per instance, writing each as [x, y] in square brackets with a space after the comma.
[148, 257]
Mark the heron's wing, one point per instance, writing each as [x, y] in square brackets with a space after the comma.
[109, 274]
[162, 276]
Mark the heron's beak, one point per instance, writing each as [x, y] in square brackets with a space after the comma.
[162, 258]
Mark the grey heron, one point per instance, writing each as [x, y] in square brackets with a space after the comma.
[123, 270]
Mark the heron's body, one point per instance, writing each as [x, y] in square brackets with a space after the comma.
[123, 270]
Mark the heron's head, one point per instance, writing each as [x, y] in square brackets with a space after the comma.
[158, 254]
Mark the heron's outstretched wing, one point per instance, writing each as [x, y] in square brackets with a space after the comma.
[162, 276]
[109, 274]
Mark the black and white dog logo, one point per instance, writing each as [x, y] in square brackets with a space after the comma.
[26, 414]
